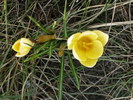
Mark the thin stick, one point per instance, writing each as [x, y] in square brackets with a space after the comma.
[111, 24]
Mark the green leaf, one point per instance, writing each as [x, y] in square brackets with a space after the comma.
[65, 20]
[53, 25]
[39, 25]
[35, 56]
[62, 58]
[61, 78]
[4, 59]
[74, 72]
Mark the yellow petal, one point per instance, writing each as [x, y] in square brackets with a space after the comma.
[95, 50]
[25, 46]
[79, 53]
[26, 42]
[88, 36]
[72, 40]
[89, 62]
[103, 37]
[24, 49]
[21, 55]
[16, 45]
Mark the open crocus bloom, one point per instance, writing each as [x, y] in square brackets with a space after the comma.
[87, 46]
[22, 47]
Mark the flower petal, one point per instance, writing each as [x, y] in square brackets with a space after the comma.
[72, 40]
[89, 62]
[103, 37]
[95, 50]
[24, 49]
[79, 53]
[25, 46]
[88, 35]
[26, 42]
[21, 55]
[16, 45]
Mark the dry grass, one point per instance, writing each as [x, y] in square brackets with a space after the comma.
[35, 77]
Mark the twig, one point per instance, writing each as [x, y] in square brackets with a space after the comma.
[111, 24]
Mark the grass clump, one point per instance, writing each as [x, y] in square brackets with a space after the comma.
[42, 74]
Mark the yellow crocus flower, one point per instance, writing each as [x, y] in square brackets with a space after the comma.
[87, 46]
[22, 47]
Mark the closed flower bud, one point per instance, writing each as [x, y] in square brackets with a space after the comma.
[22, 47]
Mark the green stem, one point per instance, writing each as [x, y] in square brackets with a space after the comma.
[61, 78]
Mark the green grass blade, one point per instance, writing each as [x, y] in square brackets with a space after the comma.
[61, 78]
[62, 58]
[5, 14]
[43, 46]
[4, 59]
[53, 26]
[74, 72]
[65, 20]
[39, 25]
[50, 49]
[28, 9]
[35, 56]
